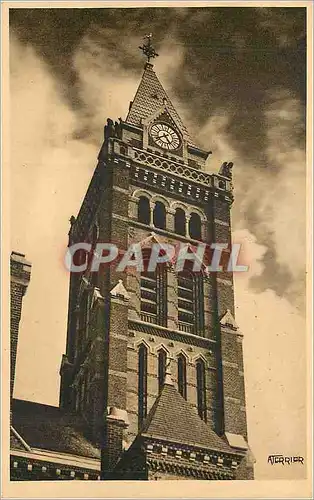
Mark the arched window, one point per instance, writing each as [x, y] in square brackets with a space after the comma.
[182, 375]
[159, 215]
[142, 384]
[143, 213]
[195, 226]
[162, 363]
[201, 388]
[179, 222]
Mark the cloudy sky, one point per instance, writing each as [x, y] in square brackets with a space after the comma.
[237, 77]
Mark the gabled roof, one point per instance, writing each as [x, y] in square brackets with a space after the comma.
[149, 98]
[174, 419]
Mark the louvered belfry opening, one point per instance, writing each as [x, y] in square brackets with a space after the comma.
[191, 302]
[153, 286]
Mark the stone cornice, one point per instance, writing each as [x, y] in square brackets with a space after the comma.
[161, 331]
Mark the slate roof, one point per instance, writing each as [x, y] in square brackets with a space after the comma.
[149, 99]
[50, 428]
[174, 419]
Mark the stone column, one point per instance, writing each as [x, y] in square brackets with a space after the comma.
[133, 207]
[170, 219]
[187, 221]
[152, 206]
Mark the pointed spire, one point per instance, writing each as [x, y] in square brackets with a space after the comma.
[151, 98]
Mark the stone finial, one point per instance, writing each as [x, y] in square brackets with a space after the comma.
[97, 297]
[236, 441]
[119, 291]
[168, 378]
[228, 320]
[115, 413]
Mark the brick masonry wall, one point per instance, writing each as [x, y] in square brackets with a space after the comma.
[115, 370]
[173, 348]
[20, 277]
[230, 343]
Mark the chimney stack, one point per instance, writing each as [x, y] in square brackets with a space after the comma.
[20, 277]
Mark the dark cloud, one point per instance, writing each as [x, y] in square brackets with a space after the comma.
[234, 54]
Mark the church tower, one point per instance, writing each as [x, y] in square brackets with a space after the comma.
[154, 360]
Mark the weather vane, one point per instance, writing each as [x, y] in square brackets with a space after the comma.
[148, 49]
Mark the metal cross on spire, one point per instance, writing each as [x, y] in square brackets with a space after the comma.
[148, 49]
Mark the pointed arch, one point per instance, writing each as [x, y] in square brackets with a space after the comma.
[162, 346]
[200, 356]
[182, 351]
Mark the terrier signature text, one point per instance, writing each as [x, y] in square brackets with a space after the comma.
[280, 459]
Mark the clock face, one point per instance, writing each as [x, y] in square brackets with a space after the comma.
[164, 136]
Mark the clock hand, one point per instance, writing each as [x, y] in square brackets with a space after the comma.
[169, 141]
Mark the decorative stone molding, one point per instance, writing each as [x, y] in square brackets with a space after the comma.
[228, 320]
[172, 167]
[119, 292]
[97, 297]
[114, 413]
[236, 441]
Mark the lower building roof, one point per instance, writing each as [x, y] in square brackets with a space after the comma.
[51, 428]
